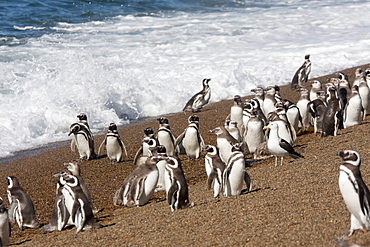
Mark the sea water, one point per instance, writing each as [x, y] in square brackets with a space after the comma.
[118, 61]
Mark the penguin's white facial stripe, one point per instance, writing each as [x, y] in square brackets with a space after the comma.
[10, 182]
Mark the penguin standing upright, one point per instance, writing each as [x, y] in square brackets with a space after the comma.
[293, 114]
[215, 169]
[138, 187]
[270, 100]
[235, 174]
[113, 144]
[190, 141]
[165, 136]
[301, 75]
[332, 115]
[199, 99]
[176, 185]
[317, 110]
[260, 95]
[5, 227]
[236, 113]
[161, 166]
[225, 141]
[149, 143]
[234, 131]
[302, 104]
[353, 110]
[21, 208]
[254, 134]
[354, 191]
[76, 203]
[364, 92]
[83, 139]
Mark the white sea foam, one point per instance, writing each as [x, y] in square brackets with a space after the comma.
[132, 66]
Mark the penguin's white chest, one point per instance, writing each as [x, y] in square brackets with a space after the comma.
[191, 142]
[254, 135]
[150, 184]
[114, 150]
[82, 145]
[165, 139]
[161, 166]
[234, 182]
[224, 148]
[353, 112]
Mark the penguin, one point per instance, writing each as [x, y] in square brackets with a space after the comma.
[257, 109]
[82, 119]
[364, 92]
[293, 114]
[149, 143]
[353, 110]
[138, 187]
[165, 136]
[5, 228]
[190, 141]
[285, 130]
[215, 169]
[233, 130]
[235, 174]
[83, 141]
[317, 110]
[76, 203]
[113, 144]
[161, 166]
[316, 87]
[301, 75]
[236, 113]
[332, 115]
[177, 187]
[21, 208]
[354, 191]
[270, 100]
[367, 76]
[199, 99]
[302, 105]
[254, 134]
[225, 141]
[247, 109]
[278, 146]
[259, 95]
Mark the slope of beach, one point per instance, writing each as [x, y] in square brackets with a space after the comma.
[298, 203]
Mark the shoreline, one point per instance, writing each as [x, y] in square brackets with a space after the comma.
[298, 203]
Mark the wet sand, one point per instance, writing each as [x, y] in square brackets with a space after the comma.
[297, 204]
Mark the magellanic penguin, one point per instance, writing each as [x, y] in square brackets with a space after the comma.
[113, 144]
[5, 228]
[254, 134]
[332, 115]
[138, 187]
[293, 114]
[176, 185]
[317, 109]
[83, 141]
[285, 130]
[149, 143]
[354, 191]
[235, 174]
[161, 166]
[21, 208]
[76, 204]
[165, 136]
[363, 91]
[236, 113]
[279, 147]
[215, 169]
[270, 100]
[190, 142]
[225, 142]
[353, 110]
[234, 131]
[316, 87]
[302, 104]
[199, 99]
[260, 95]
[301, 75]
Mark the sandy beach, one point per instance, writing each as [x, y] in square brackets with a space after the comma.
[297, 204]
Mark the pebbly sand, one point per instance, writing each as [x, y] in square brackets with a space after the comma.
[297, 204]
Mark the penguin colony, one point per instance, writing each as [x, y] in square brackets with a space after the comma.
[264, 126]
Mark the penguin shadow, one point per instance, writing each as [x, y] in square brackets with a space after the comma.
[245, 191]
[106, 156]
[22, 242]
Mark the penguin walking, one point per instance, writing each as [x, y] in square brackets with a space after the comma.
[235, 174]
[165, 136]
[302, 105]
[5, 228]
[332, 115]
[225, 141]
[138, 187]
[254, 134]
[199, 99]
[301, 75]
[354, 191]
[177, 187]
[78, 210]
[353, 110]
[83, 141]
[21, 208]
[113, 144]
[278, 146]
[215, 169]
[190, 141]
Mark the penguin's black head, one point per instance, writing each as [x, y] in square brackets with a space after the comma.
[193, 118]
[209, 148]
[74, 128]
[163, 120]
[349, 156]
[307, 56]
[161, 149]
[82, 116]
[149, 131]
[112, 127]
